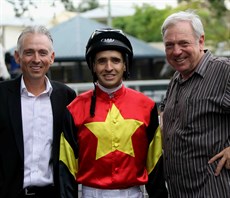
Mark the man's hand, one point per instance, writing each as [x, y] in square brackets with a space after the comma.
[224, 161]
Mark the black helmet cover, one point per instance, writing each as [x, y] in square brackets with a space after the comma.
[109, 39]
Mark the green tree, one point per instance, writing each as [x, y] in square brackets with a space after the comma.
[86, 5]
[146, 23]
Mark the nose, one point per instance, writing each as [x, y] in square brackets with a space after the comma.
[108, 65]
[177, 50]
[36, 57]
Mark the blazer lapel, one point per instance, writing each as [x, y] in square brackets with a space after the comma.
[55, 107]
[55, 103]
[14, 105]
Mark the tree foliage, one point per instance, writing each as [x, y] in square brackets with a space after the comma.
[146, 23]
[86, 5]
[216, 5]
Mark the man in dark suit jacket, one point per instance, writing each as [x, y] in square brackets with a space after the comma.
[24, 173]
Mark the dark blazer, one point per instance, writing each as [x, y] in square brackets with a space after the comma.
[11, 135]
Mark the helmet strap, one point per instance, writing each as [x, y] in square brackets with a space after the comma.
[93, 101]
[126, 73]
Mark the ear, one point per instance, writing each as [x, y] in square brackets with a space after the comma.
[52, 58]
[201, 42]
[16, 57]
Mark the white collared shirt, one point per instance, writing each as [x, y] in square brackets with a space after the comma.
[109, 91]
[37, 121]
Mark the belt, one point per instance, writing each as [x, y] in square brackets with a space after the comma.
[38, 190]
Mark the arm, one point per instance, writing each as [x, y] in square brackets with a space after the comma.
[156, 186]
[224, 155]
[162, 106]
[68, 159]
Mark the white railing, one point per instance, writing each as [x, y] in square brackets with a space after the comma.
[155, 89]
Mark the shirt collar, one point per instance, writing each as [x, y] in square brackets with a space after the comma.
[201, 67]
[48, 89]
[109, 91]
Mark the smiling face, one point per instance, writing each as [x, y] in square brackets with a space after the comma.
[183, 49]
[35, 57]
[109, 67]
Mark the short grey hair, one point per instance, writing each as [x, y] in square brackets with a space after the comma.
[32, 30]
[189, 16]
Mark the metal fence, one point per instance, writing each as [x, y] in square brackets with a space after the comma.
[154, 89]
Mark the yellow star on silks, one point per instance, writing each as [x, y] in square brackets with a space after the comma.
[114, 133]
